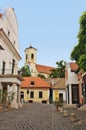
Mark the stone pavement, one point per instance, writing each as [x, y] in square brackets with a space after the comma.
[40, 117]
[64, 123]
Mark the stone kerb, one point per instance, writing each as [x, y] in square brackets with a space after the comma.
[65, 113]
[73, 117]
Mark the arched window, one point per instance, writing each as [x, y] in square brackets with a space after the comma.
[26, 56]
[32, 56]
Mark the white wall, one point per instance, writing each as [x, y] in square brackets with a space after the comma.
[64, 94]
[72, 76]
[9, 23]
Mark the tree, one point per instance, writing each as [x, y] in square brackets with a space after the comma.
[53, 73]
[82, 62]
[79, 52]
[41, 76]
[25, 71]
[59, 72]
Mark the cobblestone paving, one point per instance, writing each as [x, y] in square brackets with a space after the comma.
[40, 117]
[64, 123]
[30, 117]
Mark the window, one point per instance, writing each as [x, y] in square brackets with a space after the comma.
[61, 97]
[32, 83]
[26, 57]
[32, 56]
[8, 33]
[22, 94]
[31, 94]
[3, 67]
[27, 91]
[13, 65]
[1, 48]
[40, 94]
[14, 43]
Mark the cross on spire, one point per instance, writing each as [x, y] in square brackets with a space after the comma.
[30, 44]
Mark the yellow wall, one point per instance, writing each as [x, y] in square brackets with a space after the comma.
[36, 95]
[55, 95]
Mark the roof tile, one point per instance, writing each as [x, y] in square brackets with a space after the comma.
[0, 15]
[38, 82]
[44, 69]
[60, 84]
[73, 66]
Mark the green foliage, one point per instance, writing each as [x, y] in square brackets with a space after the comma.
[53, 73]
[82, 30]
[79, 52]
[11, 96]
[41, 76]
[25, 71]
[58, 103]
[82, 62]
[0, 96]
[59, 72]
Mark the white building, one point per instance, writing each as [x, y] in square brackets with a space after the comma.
[72, 83]
[58, 90]
[10, 81]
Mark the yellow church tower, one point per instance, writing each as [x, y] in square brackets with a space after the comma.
[30, 59]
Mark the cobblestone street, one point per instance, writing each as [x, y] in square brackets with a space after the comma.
[40, 117]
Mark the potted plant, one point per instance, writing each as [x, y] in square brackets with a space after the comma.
[10, 98]
[1, 105]
[56, 105]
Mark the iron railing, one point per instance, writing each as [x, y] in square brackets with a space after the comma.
[9, 72]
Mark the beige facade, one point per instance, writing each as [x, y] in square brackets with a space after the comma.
[35, 89]
[36, 98]
[10, 81]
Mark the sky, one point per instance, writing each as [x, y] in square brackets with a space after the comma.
[51, 26]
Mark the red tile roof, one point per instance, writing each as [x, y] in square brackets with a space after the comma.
[44, 69]
[79, 75]
[60, 84]
[0, 15]
[66, 74]
[73, 66]
[38, 83]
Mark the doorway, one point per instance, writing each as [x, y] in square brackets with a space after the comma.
[61, 97]
[75, 94]
[22, 97]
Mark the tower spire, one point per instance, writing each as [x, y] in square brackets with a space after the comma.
[30, 44]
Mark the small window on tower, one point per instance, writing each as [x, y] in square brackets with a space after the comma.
[32, 56]
[26, 56]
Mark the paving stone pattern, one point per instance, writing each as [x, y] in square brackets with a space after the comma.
[40, 117]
